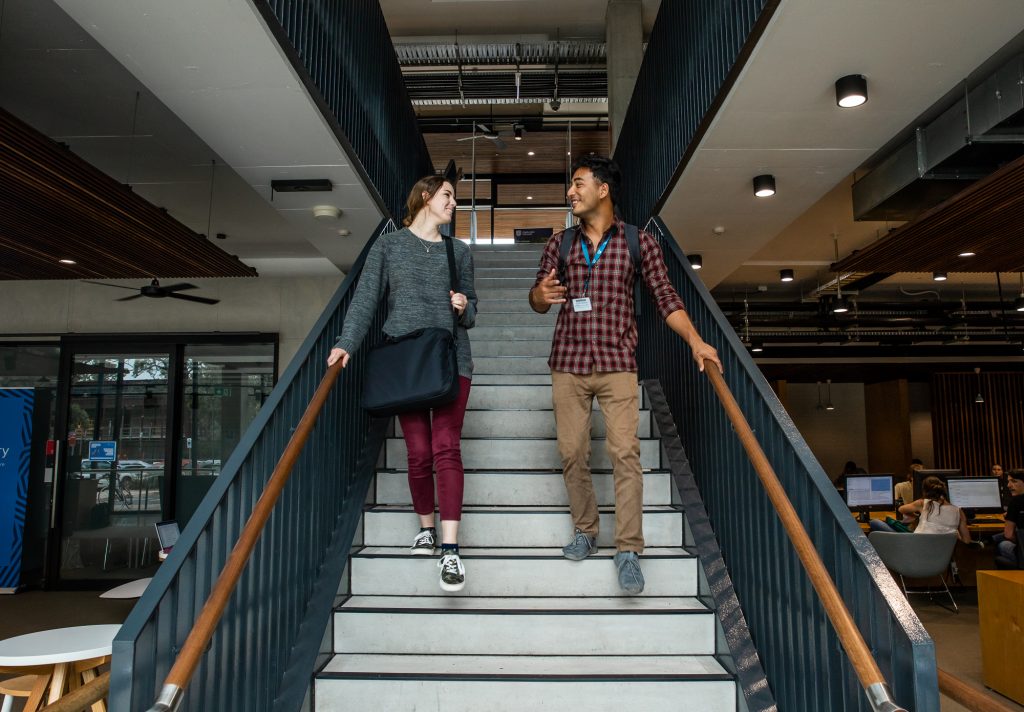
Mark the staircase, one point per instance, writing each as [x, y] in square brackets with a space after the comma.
[531, 630]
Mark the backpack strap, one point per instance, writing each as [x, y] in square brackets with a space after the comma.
[632, 243]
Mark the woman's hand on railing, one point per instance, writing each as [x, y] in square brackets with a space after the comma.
[337, 355]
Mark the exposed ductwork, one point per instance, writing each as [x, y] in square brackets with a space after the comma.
[979, 133]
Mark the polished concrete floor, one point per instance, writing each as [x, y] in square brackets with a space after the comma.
[955, 634]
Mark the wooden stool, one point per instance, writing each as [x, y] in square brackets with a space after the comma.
[31, 686]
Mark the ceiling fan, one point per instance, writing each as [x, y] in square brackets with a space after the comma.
[487, 133]
[155, 290]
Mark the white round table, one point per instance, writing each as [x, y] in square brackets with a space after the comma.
[61, 648]
[132, 589]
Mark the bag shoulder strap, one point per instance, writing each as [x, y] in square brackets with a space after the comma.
[453, 279]
[568, 235]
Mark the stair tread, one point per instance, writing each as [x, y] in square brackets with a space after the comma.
[666, 552]
[505, 509]
[546, 666]
[519, 605]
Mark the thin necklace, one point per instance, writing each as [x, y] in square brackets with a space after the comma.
[427, 244]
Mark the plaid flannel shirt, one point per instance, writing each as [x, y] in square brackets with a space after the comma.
[604, 339]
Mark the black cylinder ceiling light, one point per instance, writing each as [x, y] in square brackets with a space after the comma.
[695, 261]
[764, 185]
[851, 90]
[785, 275]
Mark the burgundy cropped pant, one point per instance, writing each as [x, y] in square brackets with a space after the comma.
[435, 444]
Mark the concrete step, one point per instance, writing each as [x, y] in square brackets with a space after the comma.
[529, 424]
[522, 454]
[502, 293]
[518, 395]
[517, 271]
[523, 283]
[499, 683]
[467, 625]
[523, 489]
[504, 379]
[536, 365]
[392, 571]
[539, 347]
[507, 333]
[519, 303]
[530, 318]
[484, 248]
[507, 259]
[484, 526]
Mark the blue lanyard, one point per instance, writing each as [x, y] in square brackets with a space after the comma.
[586, 257]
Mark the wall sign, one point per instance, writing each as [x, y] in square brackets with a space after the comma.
[103, 450]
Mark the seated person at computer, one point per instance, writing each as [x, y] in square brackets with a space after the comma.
[904, 491]
[934, 512]
[1006, 543]
[1000, 474]
[850, 468]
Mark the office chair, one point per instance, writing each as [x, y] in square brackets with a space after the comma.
[916, 556]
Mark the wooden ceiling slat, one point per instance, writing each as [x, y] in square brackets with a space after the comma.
[55, 205]
[985, 217]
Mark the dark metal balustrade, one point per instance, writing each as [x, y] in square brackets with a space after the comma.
[695, 52]
[268, 641]
[343, 52]
[799, 650]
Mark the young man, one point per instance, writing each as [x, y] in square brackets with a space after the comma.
[593, 354]
[1014, 527]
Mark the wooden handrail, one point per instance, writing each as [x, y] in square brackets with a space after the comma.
[857, 651]
[80, 698]
[957, 690]
[203, 629]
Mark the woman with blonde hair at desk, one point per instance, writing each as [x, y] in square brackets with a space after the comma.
[935, 514]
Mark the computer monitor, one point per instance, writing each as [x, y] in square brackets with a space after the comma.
[975, 494]
[921, 475]
[869, 493]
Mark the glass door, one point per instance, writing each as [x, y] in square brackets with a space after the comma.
[114, 472]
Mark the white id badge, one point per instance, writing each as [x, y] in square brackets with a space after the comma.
[581, 304]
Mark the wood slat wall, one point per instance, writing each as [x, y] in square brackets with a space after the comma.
[972, 436]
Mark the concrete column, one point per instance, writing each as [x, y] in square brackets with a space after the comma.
[624, 34]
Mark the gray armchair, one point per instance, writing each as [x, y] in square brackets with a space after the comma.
[916, 556]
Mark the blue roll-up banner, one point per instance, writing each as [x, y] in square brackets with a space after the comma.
[15, 454]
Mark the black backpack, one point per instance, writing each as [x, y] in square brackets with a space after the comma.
[632, 243]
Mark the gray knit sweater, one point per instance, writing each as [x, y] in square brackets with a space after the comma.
[416, 271]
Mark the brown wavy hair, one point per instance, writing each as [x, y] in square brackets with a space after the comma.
[934, 489]
[416, 202]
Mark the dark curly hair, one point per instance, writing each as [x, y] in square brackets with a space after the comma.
[604, 169]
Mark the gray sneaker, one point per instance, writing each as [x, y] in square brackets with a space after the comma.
[631, 579]
[580, 547]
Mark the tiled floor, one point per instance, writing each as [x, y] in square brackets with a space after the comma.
[955, 634]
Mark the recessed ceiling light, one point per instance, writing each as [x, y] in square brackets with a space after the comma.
[67, 262]
[344, 232]
[939, 276]
[531, 153]
[529, 197]
[967, 254]
[757, 347]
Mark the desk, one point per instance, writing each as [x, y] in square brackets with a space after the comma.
[1000, 617]
[132, 589]
[983, 524]
[55, 653]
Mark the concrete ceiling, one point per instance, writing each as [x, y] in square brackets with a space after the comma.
[781, 118]
[203, 71]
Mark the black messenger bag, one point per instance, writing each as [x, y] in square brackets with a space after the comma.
[417, 371]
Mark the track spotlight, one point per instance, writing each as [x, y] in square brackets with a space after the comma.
[695, 261]
[785, 275]
[851, 90]
[518, 130]
[764, 185]
[939, 276]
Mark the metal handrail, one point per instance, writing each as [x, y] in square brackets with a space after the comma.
[873, 683]
[206, 624]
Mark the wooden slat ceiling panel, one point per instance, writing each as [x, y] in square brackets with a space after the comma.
[54, 205]
[986, 218]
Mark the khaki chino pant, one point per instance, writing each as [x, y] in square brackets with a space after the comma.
[573, 398]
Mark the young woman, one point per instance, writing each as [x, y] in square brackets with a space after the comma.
[413, 264]
[934, 512]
